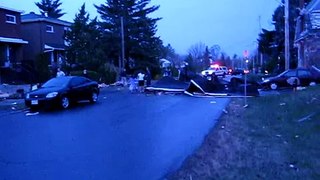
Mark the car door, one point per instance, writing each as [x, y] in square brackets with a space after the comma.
[305, 77]
[283, 80]
[78, 88]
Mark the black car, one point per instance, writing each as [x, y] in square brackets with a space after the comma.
[292, 77]
[63, 91]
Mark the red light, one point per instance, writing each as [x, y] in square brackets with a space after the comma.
[214, 65]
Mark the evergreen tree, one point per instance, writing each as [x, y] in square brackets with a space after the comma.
[141, 42]
[84, 41]
[206, 58]
[271, 43]
[50, 8]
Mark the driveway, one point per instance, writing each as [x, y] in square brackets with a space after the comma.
[124, 136]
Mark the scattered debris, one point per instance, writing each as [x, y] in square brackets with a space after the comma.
[13, 108]
[222, 127]
[14, 103]
[278, 135]
[245, 106]
[291, 166]
[213, 102]
[301, 88]
[103, 85]
[32, 114]
[104, 97]
[296, 136]
[307, 117]
[225, 111]
[313, 99]
[282, 104]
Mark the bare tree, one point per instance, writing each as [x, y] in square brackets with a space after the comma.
[215, 51]
[197, 51]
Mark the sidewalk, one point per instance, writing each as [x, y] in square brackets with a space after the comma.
[6, 90]
[9, 101]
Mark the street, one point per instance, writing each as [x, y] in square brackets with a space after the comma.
[123, 136]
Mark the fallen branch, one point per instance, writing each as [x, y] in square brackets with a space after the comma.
[307, 117]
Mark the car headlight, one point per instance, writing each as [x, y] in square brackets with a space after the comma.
[27, 96]
[52, 95]
[266, 80]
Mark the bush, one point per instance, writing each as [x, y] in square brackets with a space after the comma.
[108, 73]
[91, 74]
[42, 68]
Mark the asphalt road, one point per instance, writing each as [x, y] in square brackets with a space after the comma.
[123, 136]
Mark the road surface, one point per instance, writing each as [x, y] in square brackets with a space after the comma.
[123, 136]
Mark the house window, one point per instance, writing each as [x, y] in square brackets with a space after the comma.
[49, 28]
[10, 19]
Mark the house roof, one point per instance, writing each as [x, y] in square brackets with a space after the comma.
[13, 40]
[10, 9]
[32, 17]
[313, 5]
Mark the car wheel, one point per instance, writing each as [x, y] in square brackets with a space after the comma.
[312, 83]
[273, 86]
[94, 97]
[65, 102]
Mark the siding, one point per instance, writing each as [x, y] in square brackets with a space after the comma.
[8, 29]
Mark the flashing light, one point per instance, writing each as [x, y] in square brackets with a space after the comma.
[214, 65]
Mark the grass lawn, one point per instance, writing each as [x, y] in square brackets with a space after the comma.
[276, 137]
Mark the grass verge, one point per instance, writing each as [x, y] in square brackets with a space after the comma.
[276, 137]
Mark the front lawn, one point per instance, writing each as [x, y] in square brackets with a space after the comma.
[276, 137]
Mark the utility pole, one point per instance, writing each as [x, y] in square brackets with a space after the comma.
[122, 45]
[287, 36]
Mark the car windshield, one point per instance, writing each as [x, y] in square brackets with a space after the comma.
[281, 74]
[56, 82]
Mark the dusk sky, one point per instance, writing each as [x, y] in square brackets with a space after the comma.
[232, 24]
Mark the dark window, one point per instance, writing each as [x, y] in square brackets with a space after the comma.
[49, 28]
[290, 74]
[304, 73]
[57, 82]
[10, 19]
[77, 81]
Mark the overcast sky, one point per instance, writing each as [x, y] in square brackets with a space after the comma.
[232, 24]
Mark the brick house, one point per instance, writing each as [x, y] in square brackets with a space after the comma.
[11, 43]
[45, 36]
[307, 38]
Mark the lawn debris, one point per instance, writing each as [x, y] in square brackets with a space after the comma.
[32, 114]
[225, 111]
[307, 117]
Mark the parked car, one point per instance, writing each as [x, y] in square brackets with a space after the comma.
[63, 91]
[237, 71]
[289, 78]
[217, 70]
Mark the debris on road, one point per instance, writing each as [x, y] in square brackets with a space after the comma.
[282, 104]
